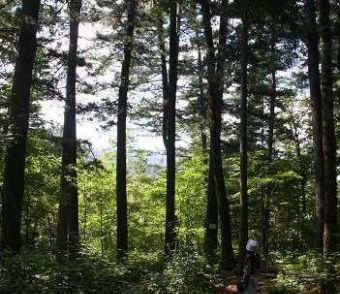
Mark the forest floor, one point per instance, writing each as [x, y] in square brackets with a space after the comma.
[265, 281]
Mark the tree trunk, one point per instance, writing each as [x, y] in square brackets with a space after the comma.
[270, 142]
[211, 236]
[244, 144]
[203, 105]
[272, 115]
[121, 194]
[216, 72]
[328, 130]
[170, 218]
[165, 82]
[68, 224]
[316, 106]
[302, 172]
[102, 236]
[85, 219]
[263, 123]
[29, 233]
[13, 184]
[211, 220]
[338, 35]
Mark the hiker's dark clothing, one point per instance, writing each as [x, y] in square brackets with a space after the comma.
[250, 268]
[251, 263]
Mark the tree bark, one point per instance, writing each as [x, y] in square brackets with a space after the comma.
[13, 185]
[211, 231]
[271, 124]
[165, 82]
[211, 219]
[68, 224]
[203, 105]
[216, 73]
[170, 218]
[270, 142]
[244, 143]
[169, 84]
[302, 171]
[316, 106]
[328, 130]
[121, 193]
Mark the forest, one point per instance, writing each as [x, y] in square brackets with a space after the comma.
[160, 146]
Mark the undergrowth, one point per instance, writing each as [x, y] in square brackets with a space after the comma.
[300, 273]
[38, 272]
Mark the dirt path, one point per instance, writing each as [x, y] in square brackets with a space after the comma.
[264, 282]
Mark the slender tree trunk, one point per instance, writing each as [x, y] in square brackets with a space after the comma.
[338, 35]
[169, 82]
[102, 236]
[216, 72]
[272, 116]
[85, 219]
[302, 172]
[165, 82]
[13, 184]
[216, 104]
[70, 134]
[121, 194]
[265, 222]
[68, 224]
[244, 143]
[211, 221]
[262, 124]
[29, 238]
[316, 106]
[328, 130]
[271, 125]
[204, 144]
[211, 236]
[203, 105]
[170, 221]
[263, 193]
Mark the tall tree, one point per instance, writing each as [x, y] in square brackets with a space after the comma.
[244, 140]
[211, 231]
[302, 168]
[328, 130]
[13, 185]
[211, 221]
[202, 103]
[170, 128]
[121, 194]
[316, 106]
[68, 225]
[216, 73]
[211, 218]
[270, 142]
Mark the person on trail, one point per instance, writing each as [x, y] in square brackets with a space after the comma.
[250, 267]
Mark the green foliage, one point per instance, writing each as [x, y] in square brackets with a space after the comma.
[309, 270]
[145, 270]
[286, 176]
[282, 177]
[42, 187]
[146, 194]
[191, 199]
[37, 272]
[97, 207]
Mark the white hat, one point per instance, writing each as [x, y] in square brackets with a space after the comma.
[252, 245]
